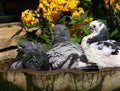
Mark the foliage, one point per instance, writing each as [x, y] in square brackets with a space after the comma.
[113, 7]
[75, 14]
[49, 13]
[109, 11]
[39, 33]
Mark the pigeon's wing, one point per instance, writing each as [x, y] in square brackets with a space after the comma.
[108, 48]
[66, 55]
[16, 65]
[104, 53]
[114, 43]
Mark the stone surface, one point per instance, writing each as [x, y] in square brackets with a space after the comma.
[7, 46]
[9, 54]
[60, 80]
[7, 32]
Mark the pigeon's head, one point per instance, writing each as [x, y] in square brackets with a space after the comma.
[97, 26]
[30, 47]
[25, 46]
[60, 33]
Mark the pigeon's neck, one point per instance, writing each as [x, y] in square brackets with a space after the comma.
[60, 40]
[94, 37]
[97, 38]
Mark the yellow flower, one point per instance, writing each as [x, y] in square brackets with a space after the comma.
[25, 13]
[40, 7]
[91, 19]
[38, 15]
[44, 2]
[49, 1]
[35, 21]
[109, 1]
[27, 19]
[75, 13]
[88, 20]
[112, 2]
[81, 11]
[117, 6]
[106, 1]
[54, 17]
[60, 2]
[71, 4]
[50, 10]
[30, 17]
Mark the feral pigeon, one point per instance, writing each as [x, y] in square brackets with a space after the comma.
[64, 54]
[99, 48]
[31, 56]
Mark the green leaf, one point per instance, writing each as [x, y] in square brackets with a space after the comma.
[44, 36]
[118, 18]
[20, 40]
[17, 33]
[86, 3]
[75, 38]
[23, 25]
[114, 33]
[75, 19]
[84, 28]
[80, 18]
[62, 20]
[103, 20]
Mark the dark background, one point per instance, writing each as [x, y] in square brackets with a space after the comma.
[10, 10]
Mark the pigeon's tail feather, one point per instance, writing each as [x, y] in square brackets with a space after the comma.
[16, 65]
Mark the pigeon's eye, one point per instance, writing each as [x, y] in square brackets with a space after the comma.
[24, 46]
[55, 30]
[94, 26]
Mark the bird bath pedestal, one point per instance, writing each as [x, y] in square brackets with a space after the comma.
[60, 80]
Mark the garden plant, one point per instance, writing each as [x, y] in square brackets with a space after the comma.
[75, 14]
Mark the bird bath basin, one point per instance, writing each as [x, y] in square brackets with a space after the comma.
[107, 79]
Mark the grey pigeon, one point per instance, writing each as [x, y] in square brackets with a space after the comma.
[32, 56]
[64, 54]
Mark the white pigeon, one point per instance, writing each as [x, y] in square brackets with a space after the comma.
[65, 54]
[98, 48]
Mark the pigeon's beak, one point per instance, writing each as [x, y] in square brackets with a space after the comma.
[89, 28]
[19, 47]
